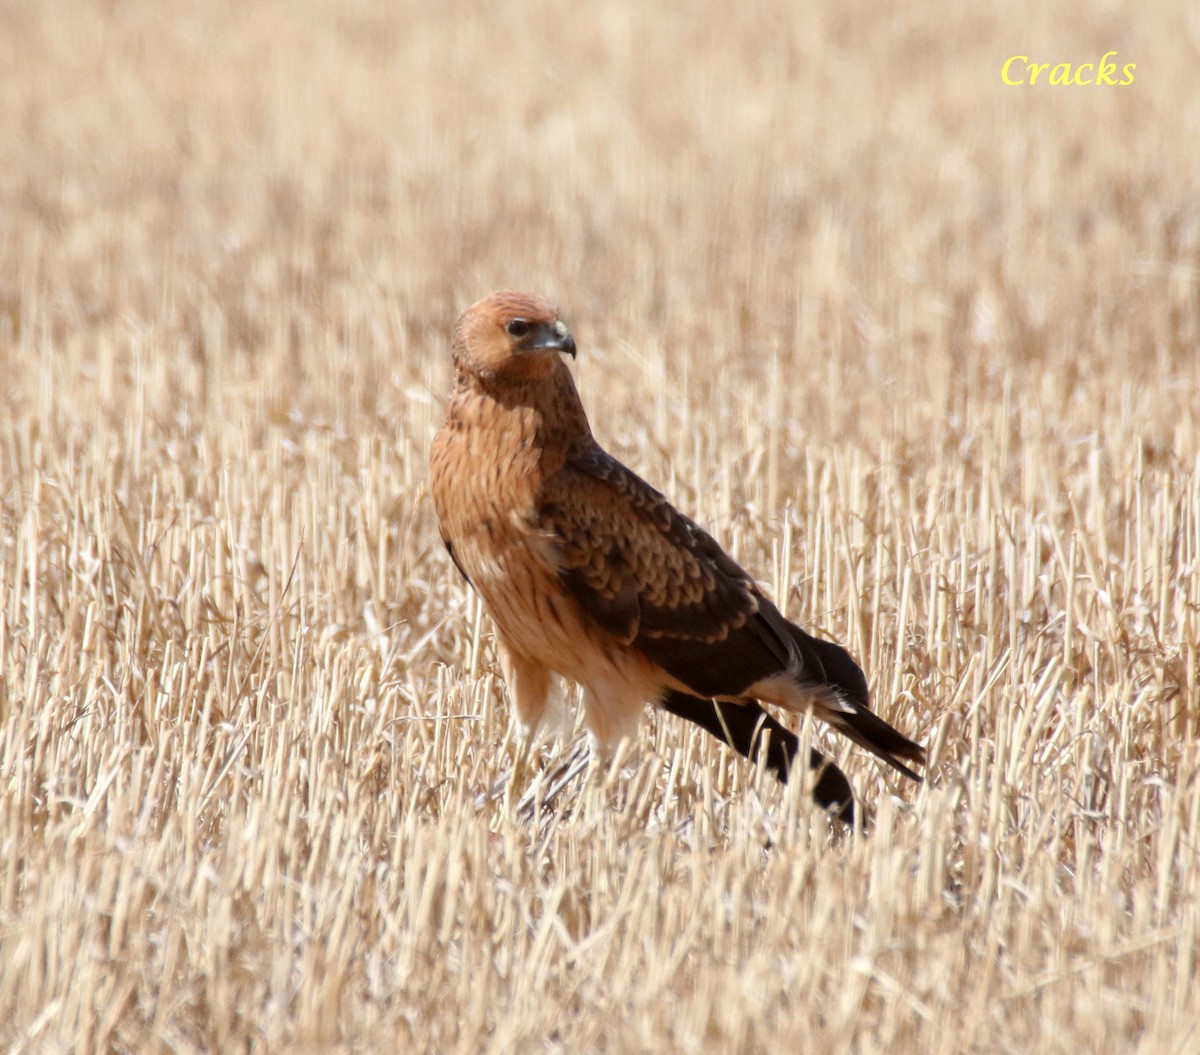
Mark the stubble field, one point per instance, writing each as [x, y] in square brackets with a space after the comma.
[920, 349]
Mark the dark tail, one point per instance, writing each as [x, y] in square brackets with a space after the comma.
[745, 726]
[830, 665]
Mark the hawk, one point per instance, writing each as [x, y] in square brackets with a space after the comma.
[589, 573]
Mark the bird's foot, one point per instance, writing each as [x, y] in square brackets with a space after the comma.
[550, 784]
[527, 792]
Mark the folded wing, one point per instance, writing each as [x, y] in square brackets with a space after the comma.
[653, 579]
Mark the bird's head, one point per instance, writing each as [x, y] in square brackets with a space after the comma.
[511, 336]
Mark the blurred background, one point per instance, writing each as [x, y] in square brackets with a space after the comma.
[922, 349]
[262, 192]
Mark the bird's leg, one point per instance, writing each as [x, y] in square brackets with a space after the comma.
[518, 775]
[591, 790]
[606, 757]
[529, 690]
[612, 716]
[600, 755]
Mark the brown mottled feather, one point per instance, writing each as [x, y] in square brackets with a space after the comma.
[654, 579]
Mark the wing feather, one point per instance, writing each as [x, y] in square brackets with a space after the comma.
[654, 579]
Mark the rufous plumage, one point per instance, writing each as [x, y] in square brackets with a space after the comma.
[590, 574]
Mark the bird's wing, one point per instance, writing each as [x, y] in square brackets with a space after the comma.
[653, 579]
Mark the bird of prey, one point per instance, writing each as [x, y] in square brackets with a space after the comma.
[589, 573]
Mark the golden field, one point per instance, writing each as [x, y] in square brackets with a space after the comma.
[921, 349]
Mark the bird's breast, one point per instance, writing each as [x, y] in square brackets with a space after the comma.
[486, 478]
[488, 468]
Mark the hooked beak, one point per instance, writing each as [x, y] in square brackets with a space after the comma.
[554, 336]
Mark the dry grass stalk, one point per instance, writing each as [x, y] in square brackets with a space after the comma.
[925, 359]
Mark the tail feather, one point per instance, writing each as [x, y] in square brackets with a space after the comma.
[872, 732]
[831, 665]
[747, 728]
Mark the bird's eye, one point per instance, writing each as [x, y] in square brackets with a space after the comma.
[518, 328]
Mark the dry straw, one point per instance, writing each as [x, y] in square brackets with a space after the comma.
[922, 350]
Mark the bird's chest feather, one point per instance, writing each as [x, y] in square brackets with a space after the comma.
[489, 465]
